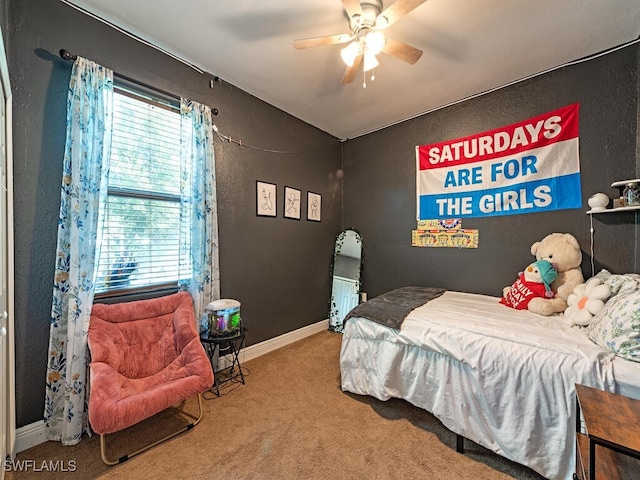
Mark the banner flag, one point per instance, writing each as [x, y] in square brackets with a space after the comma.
[530, 166]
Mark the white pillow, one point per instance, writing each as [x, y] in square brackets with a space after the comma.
[619, 283]
[617, 327]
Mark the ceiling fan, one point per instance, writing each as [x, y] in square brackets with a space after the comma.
[367, 21]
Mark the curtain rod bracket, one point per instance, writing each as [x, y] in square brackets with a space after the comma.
[67, 55]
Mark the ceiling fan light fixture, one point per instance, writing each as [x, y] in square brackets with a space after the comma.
[382, 22]
[374, 42]
[370, 61]
[349, 53]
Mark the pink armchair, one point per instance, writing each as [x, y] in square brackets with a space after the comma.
[145, 357]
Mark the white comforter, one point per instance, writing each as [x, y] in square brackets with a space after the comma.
[501, 377]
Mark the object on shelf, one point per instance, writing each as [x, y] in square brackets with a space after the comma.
[598, 201]
[631, 194]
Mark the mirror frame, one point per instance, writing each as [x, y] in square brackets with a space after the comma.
[339, 241]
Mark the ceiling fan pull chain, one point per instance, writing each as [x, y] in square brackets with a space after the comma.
[364, 79]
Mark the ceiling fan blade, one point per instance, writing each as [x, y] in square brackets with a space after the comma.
[396, 11]
[320, 41]
[350, 72]
[401, 50]
[352, 7]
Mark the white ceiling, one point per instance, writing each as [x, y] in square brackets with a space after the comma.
[470, 46]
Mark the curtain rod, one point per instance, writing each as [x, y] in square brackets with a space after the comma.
[67, 55]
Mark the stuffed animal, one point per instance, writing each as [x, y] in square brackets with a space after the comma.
[586, 301]
[563, 251]
[534, 282]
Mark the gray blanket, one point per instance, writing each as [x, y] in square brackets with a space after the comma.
[391, 308]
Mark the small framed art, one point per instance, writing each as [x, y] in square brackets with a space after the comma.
[314, 206]
[265, 199]
[291, 203]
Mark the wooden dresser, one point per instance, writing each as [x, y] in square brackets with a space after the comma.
[610, 447]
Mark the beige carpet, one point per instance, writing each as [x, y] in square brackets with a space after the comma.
[289, 421]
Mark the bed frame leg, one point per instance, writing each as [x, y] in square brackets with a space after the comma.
[459, 443]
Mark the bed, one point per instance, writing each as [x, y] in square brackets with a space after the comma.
[501, 377]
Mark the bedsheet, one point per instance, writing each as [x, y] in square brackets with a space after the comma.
[501, 377]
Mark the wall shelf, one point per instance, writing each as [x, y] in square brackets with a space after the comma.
[623, 183]
[613, 210]
[620, 185]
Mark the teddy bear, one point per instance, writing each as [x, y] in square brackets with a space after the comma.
[534, 282]
[563, 251]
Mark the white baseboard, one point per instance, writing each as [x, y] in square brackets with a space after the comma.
[254, 351]
[30, 436]
[34, 433]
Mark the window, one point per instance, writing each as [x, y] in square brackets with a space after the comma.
[140, 248]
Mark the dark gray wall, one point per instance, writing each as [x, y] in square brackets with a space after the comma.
[277, 268]
[379, 182]
[4, 24]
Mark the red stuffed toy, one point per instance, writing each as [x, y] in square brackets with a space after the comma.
[534, 282]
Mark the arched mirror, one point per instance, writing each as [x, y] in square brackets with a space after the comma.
[346, 271]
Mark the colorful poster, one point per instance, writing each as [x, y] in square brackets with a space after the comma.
[448, 224]
[530, 166]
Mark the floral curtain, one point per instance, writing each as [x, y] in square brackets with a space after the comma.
[199, 243]
[84, 190]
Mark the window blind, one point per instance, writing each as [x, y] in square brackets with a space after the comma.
[140, 247]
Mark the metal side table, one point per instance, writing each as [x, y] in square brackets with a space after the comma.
[224, 346]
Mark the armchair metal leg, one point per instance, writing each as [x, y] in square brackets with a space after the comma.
[124, 458]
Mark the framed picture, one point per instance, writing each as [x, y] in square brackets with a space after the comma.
[265, 199]
[291, 203]
[314, 206]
